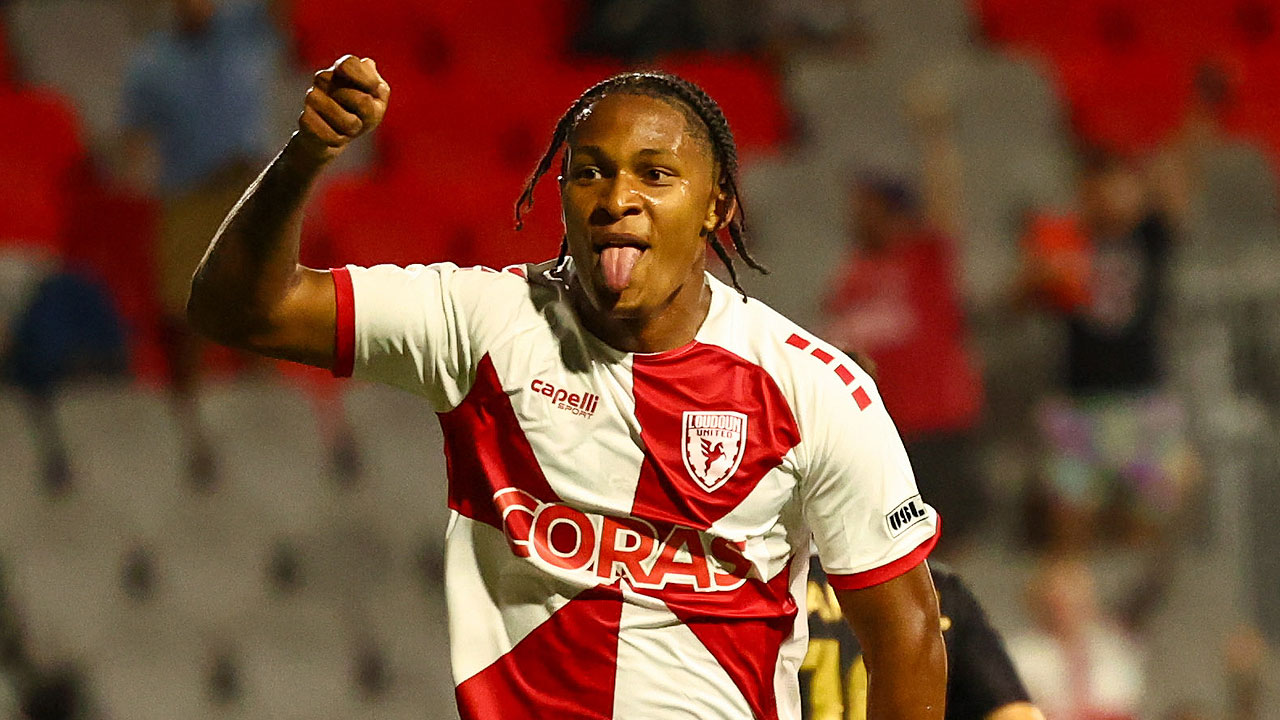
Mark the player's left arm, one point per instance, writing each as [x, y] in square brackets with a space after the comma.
[898, 626]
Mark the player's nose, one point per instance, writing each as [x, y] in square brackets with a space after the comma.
[620, 197]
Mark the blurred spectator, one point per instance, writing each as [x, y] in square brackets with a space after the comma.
[54, 324]
[1115, 441]
[896, 303]
[196, 99]
[1084, 661]
[794, 26]
[1078, 662]
[1245, 656]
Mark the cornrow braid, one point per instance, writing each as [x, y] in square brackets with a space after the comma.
[697, 105]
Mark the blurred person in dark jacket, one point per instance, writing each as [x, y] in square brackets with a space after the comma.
[982, 683]
[1115, 441]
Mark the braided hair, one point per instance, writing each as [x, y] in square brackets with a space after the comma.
[703, 114]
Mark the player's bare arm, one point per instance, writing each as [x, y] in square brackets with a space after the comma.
[898, 626]
[249, 291]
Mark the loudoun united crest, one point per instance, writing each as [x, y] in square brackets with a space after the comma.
[713, 446]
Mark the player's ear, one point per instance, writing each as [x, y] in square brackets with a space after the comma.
[722, 209]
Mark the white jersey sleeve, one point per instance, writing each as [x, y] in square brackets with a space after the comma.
[410, 327]
[858, 492]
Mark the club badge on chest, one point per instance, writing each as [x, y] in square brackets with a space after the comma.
[713, 445]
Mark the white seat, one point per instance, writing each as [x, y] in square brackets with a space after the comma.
[17, 444]
[214, 574]
[19, 470]
[271, 461]
[411, 628]
[404, 491]
[152, 681]
[793, 203]
[297, 658]
[914, 33]
[853, 111]
[1239, 187]
[63, 593]
[123, 450]
[1013, 154]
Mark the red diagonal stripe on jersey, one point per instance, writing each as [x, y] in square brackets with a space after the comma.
[486, 450]
[823, 355]
[743, 630]
[564, 669]
[709, 379]
[797, 341]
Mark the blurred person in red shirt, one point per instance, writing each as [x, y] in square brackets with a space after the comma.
[56, 322]
[895, 302]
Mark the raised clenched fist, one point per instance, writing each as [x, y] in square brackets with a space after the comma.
[344, 102]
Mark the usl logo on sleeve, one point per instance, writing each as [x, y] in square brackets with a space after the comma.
[910, 512]
[713, 446]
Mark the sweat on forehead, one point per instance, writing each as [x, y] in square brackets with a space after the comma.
[694, 124]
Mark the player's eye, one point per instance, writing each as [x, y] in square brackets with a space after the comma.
[587, 172]
[657, 175]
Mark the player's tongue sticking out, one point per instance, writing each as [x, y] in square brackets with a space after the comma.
[617, 264]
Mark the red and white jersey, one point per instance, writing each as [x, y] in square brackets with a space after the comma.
[630, 532]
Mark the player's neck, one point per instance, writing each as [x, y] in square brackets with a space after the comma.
[674, 325]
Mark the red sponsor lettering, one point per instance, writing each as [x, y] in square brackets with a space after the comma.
[668, 568]
[613, 548]
[727, 552]
[627, 542]
[516, 507]
[564, 537]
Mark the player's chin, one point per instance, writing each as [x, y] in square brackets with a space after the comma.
[626, 305]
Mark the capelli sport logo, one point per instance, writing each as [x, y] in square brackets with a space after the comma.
[582, 404]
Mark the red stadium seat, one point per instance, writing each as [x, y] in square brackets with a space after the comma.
[1255, 111]
[1126, 102]
[399, 35]
[111, 233]
[506, 39]
[1012, 23]
[748, 91]
[367, 220]
[504, 119]
[461, 213]
[40, 147]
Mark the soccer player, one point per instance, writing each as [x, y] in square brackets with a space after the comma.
[982, 683]
[638, 455]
